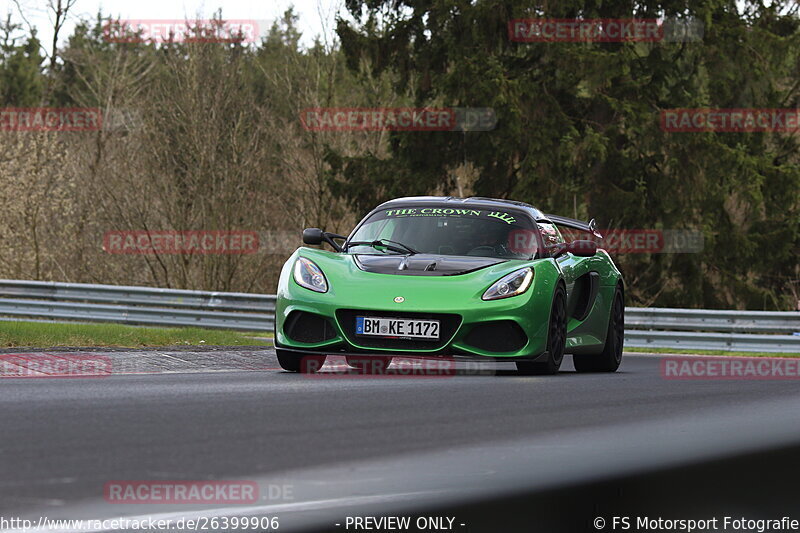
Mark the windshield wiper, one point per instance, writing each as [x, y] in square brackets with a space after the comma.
[394, 246]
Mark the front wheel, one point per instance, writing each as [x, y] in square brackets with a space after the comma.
[556, 339]
[611, 357]
[297, 362]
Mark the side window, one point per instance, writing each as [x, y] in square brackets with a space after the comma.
[550, 234]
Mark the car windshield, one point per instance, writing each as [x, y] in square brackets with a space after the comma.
[480, 232]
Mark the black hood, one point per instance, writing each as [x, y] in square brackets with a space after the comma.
[423, 264]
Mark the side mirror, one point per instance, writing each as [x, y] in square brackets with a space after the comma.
[313, 236]
[317, 236]
[582, 248]
[557, 250]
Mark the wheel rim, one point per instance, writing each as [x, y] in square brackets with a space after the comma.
[558, 329]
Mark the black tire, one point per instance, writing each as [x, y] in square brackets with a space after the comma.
[297, 362]
[556, 339]
[369, 365]
[611, 357]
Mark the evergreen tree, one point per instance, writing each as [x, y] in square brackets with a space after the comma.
[579, 132]
[21, 80]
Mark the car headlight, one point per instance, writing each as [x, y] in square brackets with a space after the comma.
[307, 274]
[510, 285]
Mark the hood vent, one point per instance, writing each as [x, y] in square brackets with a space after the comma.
[423, 264]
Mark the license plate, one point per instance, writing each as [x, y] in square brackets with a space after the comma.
[406, 328]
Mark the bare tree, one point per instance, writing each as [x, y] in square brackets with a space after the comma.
[57, 11]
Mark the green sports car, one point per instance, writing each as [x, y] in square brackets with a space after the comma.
[449, 277]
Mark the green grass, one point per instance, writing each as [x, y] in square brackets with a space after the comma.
[48, 335]
[709, 352]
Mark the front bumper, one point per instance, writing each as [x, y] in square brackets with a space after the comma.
[513, 328]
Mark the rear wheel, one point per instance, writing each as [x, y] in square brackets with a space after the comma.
[556, 339]
[369, 365]
[611, 357]
[297, 362]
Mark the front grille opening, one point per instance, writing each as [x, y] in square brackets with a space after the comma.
[301, 326]
[498, 336]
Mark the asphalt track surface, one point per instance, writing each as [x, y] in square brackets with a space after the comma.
[343, 441]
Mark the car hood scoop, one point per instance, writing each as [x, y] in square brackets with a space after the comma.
[423, 264]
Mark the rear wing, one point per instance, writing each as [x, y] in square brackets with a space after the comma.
[589, 227]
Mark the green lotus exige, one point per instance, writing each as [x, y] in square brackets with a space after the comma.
[457, 277]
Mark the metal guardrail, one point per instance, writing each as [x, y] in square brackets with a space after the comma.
[145, 306]
[702, 329]
[760, 331]
[702, 319]
[732, 342]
